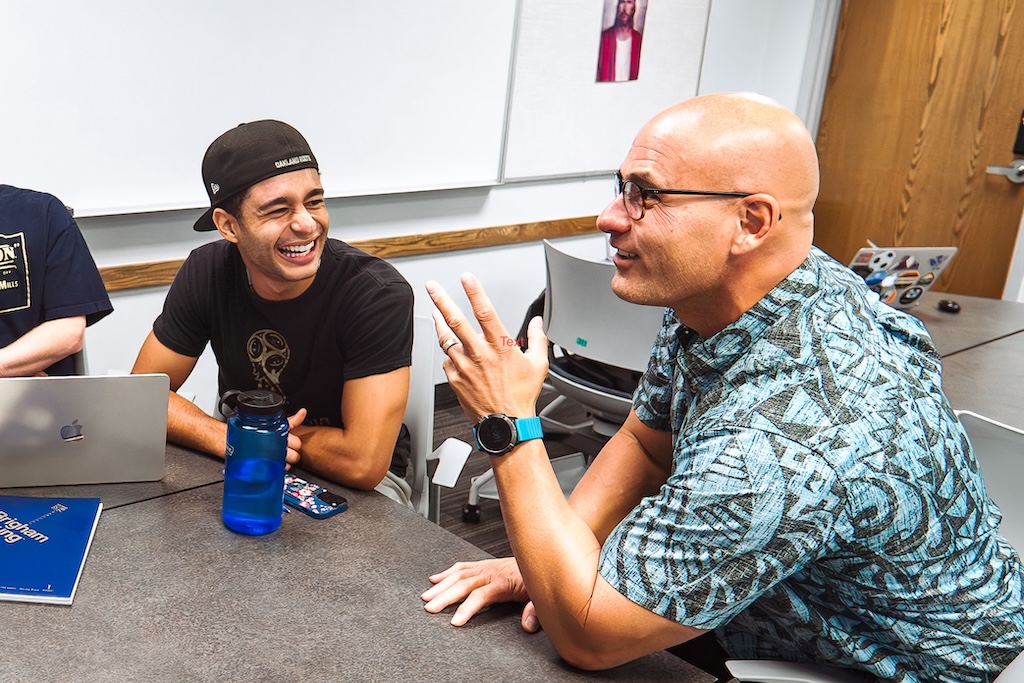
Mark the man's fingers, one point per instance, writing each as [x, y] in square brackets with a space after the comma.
[294, 441]
[529, 621]
[473, 595]
[450, 591]
[475, 602]
[490, 324]
[453, 322]
[537, 341]
[296, 419]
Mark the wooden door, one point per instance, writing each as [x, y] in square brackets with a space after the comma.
[922, 96]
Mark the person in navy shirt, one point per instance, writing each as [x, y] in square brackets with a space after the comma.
[50, 288]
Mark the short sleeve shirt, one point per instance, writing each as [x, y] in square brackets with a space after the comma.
[355, 320]
[46, 270]
[824, 502]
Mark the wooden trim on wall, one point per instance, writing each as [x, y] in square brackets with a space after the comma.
[160, 273]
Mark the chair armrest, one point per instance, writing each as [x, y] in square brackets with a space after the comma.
[771, 671]
[451, 458]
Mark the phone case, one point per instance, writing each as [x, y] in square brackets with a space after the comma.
[314, 500]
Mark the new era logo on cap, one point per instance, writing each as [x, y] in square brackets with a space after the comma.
[247, 154]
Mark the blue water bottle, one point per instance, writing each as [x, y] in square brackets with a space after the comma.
[254, 461]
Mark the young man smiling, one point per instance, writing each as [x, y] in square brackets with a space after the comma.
[289, 310]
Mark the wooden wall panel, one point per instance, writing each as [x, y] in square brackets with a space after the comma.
[922, 96]
[160, 273]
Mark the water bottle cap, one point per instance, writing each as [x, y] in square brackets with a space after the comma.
[260, 402]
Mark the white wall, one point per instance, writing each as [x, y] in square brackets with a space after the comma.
[1014, 289]
[781, 48]
[513, 275]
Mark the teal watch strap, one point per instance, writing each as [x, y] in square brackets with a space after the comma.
[528, 428]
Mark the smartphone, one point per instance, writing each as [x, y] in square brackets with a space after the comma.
[314, 500]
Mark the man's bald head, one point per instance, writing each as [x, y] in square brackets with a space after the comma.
[743, 142]
[738, 175]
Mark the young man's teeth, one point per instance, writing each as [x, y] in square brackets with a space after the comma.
[298, 250]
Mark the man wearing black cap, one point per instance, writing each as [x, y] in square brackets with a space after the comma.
[286, 309]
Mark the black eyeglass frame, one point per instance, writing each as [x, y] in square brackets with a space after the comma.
[645, 192]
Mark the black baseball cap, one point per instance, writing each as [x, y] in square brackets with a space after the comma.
[247, 154]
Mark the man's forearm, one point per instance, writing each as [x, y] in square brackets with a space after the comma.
[189, 426]
[589, 622]
[42, 346]
[359, 461]
[557, 552]
[621, 475]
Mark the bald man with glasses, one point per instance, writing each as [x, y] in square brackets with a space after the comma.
[791, 482]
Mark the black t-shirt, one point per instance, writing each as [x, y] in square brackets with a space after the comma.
[354, 321]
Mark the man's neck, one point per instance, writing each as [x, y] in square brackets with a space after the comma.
[272, 290]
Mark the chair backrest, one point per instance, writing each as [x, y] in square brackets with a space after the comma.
[81, 365]
[419, 411]
[583, 316]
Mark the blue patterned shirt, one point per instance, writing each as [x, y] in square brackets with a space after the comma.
[824, 502]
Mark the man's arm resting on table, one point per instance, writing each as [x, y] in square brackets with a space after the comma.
[558, 546]
[354, 456]
[590, 623]
[187, 424]
[359, 454]
[42, 346]
[619, 478]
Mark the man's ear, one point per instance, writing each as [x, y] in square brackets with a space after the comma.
[226, 224]
[758, 217]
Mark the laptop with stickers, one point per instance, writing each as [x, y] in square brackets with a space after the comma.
[901, 275]
[82, 429]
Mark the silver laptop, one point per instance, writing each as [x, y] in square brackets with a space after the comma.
[901, 275]
[82, 429]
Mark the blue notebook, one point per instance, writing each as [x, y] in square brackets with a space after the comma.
[43, 546]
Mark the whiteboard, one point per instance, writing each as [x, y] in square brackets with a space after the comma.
[111, 104]
[562, 122]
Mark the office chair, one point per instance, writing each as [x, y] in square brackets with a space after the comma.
[419, 418]
[81, 365]
[1000, 452]
[598, 346]
[768, 671]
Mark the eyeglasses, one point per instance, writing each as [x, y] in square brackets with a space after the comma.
[634, 197]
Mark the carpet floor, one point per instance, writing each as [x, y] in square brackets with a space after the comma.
[449, 421]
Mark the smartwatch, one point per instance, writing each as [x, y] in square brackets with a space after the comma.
[498, 434]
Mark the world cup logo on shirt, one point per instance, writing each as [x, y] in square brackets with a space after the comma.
[269, 353]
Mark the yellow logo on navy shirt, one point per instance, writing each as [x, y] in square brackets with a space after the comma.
[15, 292]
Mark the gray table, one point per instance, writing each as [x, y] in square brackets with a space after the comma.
[979, 321]
[169, 594]
[988, 379]
[184, 470]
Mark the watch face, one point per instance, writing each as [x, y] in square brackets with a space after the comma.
[494, 434]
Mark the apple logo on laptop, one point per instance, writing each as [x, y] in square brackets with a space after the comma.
[71, 432]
